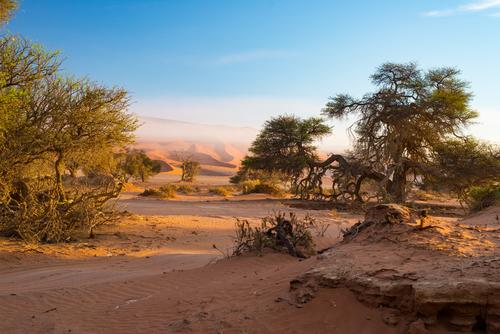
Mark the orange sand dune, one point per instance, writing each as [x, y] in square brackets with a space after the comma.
[219, 149]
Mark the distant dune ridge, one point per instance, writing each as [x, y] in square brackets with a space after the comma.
[218, 148]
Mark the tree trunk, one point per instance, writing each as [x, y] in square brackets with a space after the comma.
[397, 188]
[59, 181]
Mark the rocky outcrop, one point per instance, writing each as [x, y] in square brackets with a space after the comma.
[425, 282]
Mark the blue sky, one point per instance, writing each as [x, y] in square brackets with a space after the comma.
[239, 62]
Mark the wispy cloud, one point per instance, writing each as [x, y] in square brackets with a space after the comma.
[256, 55]
[471, 7]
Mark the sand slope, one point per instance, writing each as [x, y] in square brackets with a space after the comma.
[218, 148]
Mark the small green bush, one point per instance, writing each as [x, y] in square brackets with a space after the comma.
[168, 191]
[221, 191]
[482, 197]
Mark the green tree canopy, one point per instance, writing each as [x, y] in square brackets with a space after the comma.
[7, 7]
[48, 125]
[405, 118]
[138, 165]
[286, 145]
[464, 163]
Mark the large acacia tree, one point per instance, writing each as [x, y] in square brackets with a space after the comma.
[409, 114]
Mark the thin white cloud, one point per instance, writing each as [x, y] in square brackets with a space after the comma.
[475, 6]
[440, 13]
[480, 5]
[255, 55]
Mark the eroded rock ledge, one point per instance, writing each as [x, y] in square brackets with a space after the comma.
[447, 275]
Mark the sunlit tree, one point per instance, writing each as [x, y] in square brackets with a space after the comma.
[410, 113]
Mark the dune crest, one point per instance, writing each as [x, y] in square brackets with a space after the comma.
[218, 148]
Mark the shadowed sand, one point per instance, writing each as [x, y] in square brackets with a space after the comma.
[158, 272]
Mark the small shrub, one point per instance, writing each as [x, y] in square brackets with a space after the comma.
[276, 232]
[168, 191]
[187, 189]
[260, 187]
[248, 186]
[221, 191]
[268, 188]
[33, 213]
[484, 196]
[150, 192]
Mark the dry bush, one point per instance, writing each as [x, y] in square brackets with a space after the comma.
[187, 189]
[261, 187]
[165, 192]
[248, 186]
[35, 214]
[319, 227]
[222, 191]
[277, 232]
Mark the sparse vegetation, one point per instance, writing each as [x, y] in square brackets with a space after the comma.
[222, 191]
[190, 169]
[187, 189]
[248, 186]
[261, 187]
[164, 192]
[465, 166]
[48, 124]
[267, 188]
[275, 232]
[481, 197]
[137, 164]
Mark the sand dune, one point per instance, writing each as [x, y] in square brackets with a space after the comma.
[218, 148]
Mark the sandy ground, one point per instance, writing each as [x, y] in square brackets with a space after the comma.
[158, 272]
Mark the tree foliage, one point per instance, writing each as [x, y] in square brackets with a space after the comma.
[401, 123]
[50, 126]
[284, 147]
[190, 169]
[138, 165]
[7, 7]
[464, 164]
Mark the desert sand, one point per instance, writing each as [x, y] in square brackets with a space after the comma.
[157, 271]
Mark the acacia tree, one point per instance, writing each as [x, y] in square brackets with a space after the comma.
[190, 168]
[284, 146]
[22, 66]
[462, 164]
[137, 164]
[47, 122]
[401, 123]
